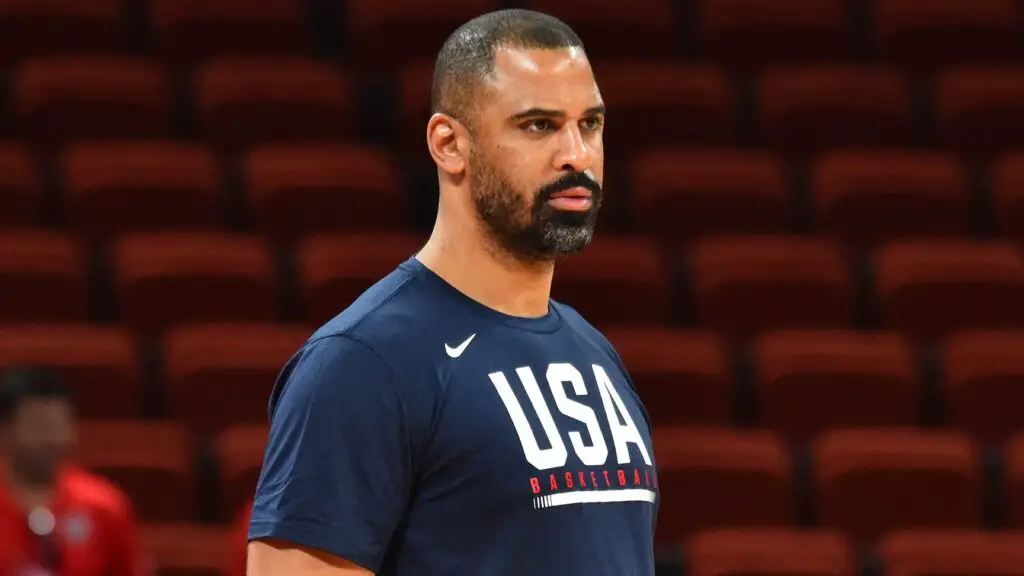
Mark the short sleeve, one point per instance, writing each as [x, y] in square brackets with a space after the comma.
[337, 472]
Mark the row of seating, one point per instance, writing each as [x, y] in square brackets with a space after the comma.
[290, 191]
[743, 32]
[864, 482]
[739, 285]
[798, 384]
[798, 110]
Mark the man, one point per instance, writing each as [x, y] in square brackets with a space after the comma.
[55, 518]
[454, 420]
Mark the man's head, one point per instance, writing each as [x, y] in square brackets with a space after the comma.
[37, 419]
[517, 125]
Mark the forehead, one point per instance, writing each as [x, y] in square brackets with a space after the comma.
[34, 409]
[559, 79]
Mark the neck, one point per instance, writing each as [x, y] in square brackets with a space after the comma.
[485, 273]
[27, 489]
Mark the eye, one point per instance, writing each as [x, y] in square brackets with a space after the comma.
[539, 125]
[593, 123]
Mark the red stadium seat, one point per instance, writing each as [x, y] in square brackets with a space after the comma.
[61, 100]
[1008, 196]
[21, 194]
[413, 94]
[928, 289]
[805, 111]
[247, 102]
[239, 451]
[333, 270]
[751, 33]
[222, 374]
[922, 35]
[683, 378]
[116, 187]
[770, 552]
[642, 30]
[186, 32]
[163, 280]
[664, 105]
[296, 191]
[952, 553]
[984, 383]
[721, 478]
[871, 197]
[151, 462]
[180, 549]
[870, 482]
[1013, 495]
[679, 196]
[34, 28]
[43, 277]
[813, 381]
[745, 285]
[100, 363]
[616, 270]
[373, 26]
[980, 111]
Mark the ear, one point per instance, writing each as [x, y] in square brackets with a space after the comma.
[447, 143]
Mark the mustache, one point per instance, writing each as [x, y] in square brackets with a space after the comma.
[567, 181]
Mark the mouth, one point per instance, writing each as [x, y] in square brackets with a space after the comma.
[573, 199]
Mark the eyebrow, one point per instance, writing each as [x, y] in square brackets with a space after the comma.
[546, 113]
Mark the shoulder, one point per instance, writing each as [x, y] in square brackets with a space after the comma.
[584, 329]
[97, 494]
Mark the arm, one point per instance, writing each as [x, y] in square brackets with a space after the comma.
[127, 556]
[337, 472]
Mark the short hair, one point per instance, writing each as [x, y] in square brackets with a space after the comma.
[467, 56]
[20, 384]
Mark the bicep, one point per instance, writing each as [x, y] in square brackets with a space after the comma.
[277, 558]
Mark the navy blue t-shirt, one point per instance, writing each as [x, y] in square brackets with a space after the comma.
[420, 433]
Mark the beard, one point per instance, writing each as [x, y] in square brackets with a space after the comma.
[531, 230]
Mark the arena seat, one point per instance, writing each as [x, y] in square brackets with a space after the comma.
[983, 383]
[166, 279]
[979, 111]
[975, 285]
[151, 461]
[37, 28]
[745, 285]
[186, 33]
[334, 269]
[921, 35]
[1007, 178]
[684, 377]
[296, 191]
[187, 549]
[239, 451]
[244, 102]
[101, 363]
[640, 30]
[218, 375]
[812, 381]
[749, 34]
[1013, 482]
[614, 270]
[59, 100]
[805, 111]
[770, 552]
[866, 198]
[873, 481]
[952, 553]
[21, 189]
[43, 277]
[680, 195]
[112, 188]
[721, 478]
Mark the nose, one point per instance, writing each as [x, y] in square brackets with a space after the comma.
[574, 154]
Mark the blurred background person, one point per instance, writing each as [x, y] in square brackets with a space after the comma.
[56, 518]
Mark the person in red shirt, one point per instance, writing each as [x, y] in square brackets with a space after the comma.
[56, 519]
[238, 543]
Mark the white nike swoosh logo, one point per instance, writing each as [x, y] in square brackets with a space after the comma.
[458, 350]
